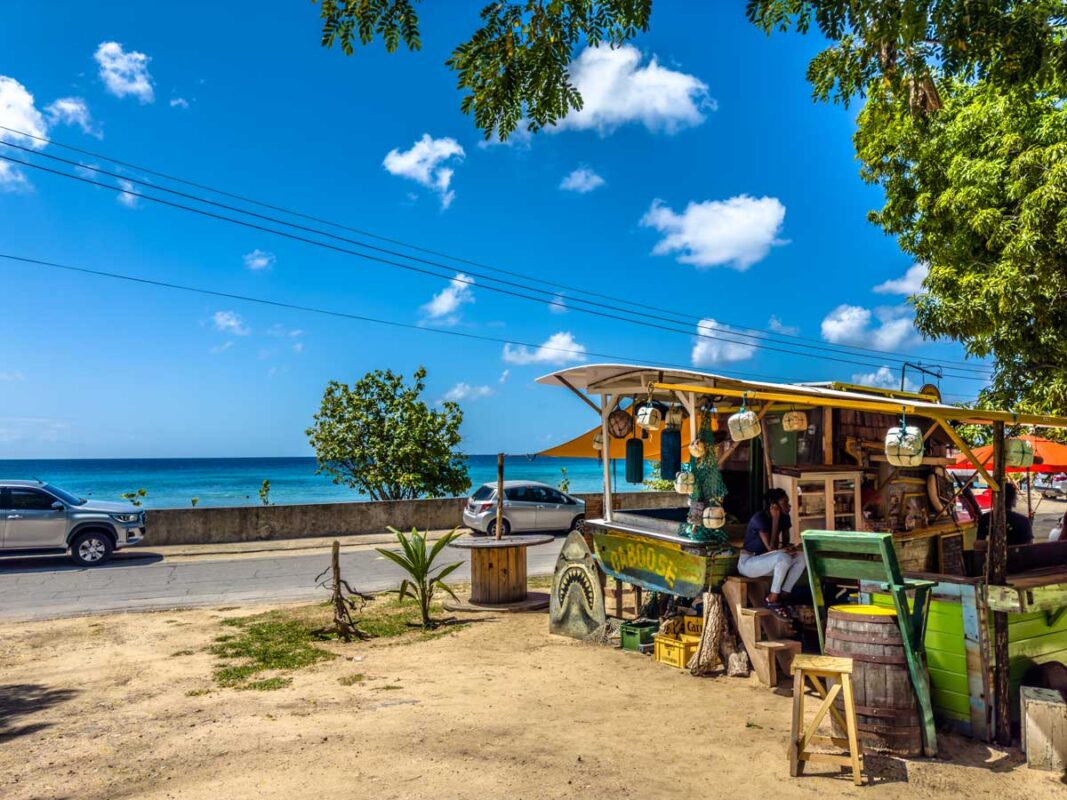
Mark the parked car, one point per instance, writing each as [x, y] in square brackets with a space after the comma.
[37, 518]
[1051, 487]
[528, 506]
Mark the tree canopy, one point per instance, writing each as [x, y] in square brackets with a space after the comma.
[515, 67]
[379, 437]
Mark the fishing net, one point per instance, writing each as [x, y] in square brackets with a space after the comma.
[709, 489]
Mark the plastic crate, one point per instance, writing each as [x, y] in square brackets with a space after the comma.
[675, 652]
[635, 634]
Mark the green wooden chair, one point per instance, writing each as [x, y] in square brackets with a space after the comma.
[846, 555]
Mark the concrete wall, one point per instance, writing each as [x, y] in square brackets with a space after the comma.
[256, 523]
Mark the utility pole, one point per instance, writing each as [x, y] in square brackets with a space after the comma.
[996, 574]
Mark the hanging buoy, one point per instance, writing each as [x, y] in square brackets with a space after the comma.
[598, 441]
[670, 452]
[697, 449]
[620, 423]
[684, 482]
[673, 418]
[714, 517]
[635, 461]
[904, 446]
[1018, 453]
[744, 425]
[794, 421]
[649, 417]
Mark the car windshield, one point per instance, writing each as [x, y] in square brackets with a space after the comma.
[66, 497]
[483, 493]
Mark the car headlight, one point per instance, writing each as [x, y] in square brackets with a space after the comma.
[125, 517]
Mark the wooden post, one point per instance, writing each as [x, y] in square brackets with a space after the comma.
[996, 574]
[1029, 494]
[827, 435]
[605, 452]
[499, 494]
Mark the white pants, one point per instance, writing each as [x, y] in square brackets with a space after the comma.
[785, 567]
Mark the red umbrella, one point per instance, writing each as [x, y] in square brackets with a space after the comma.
[1049, 456]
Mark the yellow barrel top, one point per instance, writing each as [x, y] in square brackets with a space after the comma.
[870, 611]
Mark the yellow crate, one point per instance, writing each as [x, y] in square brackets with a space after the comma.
[694, 625]
[675, 652]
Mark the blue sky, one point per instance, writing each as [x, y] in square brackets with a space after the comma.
[700, 177]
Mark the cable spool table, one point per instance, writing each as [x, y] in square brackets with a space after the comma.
[498, 574]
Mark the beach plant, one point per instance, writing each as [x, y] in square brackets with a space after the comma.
[379, 437]
[264, 493]
[424, 577]
[194, 501]
[134, 498]
[564, 481]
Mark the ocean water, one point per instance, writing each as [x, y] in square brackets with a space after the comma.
[173, 482]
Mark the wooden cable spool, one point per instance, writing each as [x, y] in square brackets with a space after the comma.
[887, 713]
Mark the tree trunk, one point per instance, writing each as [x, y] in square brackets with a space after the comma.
[996, 574]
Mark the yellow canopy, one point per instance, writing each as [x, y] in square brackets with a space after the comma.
[582, 446]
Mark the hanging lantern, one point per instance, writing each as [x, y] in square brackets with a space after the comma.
[598, 441]
[673, 418]
[620, 423]
[650, 417]
[1018, 453]
[684, 482]
[904, 446]
[744, 425]
[794, 421]
[714, 517]
[697, 449]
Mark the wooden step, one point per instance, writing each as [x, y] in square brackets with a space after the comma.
[779, 645]
[757, 612]
[743, 579]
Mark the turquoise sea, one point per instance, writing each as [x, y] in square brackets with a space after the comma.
[173, 482]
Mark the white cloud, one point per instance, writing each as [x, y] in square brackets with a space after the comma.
[179, 102]
[910, 283]
[558, 305]
[230, 322]
[737, 232]
[298, 347]
[72, 111]
[778, 326]
[222, 348]
[504, 375]
[884, 329]
[277, 329]
[124, 73]
[11, 377]
[464, 391]
[17, 111]
[581, 180]
[559, 348]
[707, 352]
[617, 90]
[125, 197]
[259, 259]
[883, 378]
[423, 163]
[445, 305]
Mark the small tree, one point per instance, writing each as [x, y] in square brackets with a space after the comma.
[379, 437]
[194, 501]
[134, 498]
[564, 481]
[422, 582]
[264, 493]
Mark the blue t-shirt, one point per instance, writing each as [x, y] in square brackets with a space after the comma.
[761, 521]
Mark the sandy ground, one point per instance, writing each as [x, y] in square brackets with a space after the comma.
[100, 708]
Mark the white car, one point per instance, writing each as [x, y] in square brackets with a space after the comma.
[528, 506]
[1051, 487]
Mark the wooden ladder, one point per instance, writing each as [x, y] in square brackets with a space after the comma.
[762, 631]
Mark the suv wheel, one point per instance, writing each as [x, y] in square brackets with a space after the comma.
[90, 549]
[505, 528]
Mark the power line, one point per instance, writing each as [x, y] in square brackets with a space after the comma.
[412, 268]
[757, 334]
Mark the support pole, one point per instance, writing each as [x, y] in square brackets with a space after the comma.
[996, 574]
[499, 494]
[605, 452]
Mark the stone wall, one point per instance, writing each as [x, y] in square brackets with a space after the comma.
[257, 523]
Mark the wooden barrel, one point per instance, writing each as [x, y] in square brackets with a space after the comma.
[498, 575]
[887, 713]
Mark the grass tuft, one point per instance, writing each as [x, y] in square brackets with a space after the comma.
[352, 680]
[182, 653]
[197, 692]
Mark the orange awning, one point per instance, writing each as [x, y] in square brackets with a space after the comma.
[1049, 456]
[582, 446]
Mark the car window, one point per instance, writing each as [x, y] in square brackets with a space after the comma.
[31, 500]
[519, 494]
[483, 493]
[541, 495]
[555, 497]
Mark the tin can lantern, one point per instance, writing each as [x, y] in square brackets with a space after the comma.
[714, 517]
[649, 417]
[697, 449]
[794, 421]
[620, 423]
[673, 418]
[744, 425]
[684, 482]
[1018, 453]
[598, 441]
[904, 446]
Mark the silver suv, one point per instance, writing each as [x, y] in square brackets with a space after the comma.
[37, 518]
[528, 506]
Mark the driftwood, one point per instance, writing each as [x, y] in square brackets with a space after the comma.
[707, 658]
[344, 599]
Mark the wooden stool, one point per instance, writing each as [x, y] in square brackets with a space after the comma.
[816, 669]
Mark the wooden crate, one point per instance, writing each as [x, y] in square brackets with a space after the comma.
[1044, 728]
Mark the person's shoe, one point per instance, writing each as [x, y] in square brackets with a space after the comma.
[777, 609]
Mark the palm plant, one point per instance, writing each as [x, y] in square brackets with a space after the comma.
[424, 579]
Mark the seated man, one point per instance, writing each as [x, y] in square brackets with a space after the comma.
[767, 550]
[1019, 529]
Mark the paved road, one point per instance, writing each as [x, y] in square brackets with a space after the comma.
[43, 588]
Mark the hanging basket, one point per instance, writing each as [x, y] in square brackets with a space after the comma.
[649, 417]
[794, 421]
[744, 425]
[1018, 453]
[598, 441]
[904, 446]
[714, 517]
[620, 423]
[673, 418]
[684, 482]
[697, 449]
